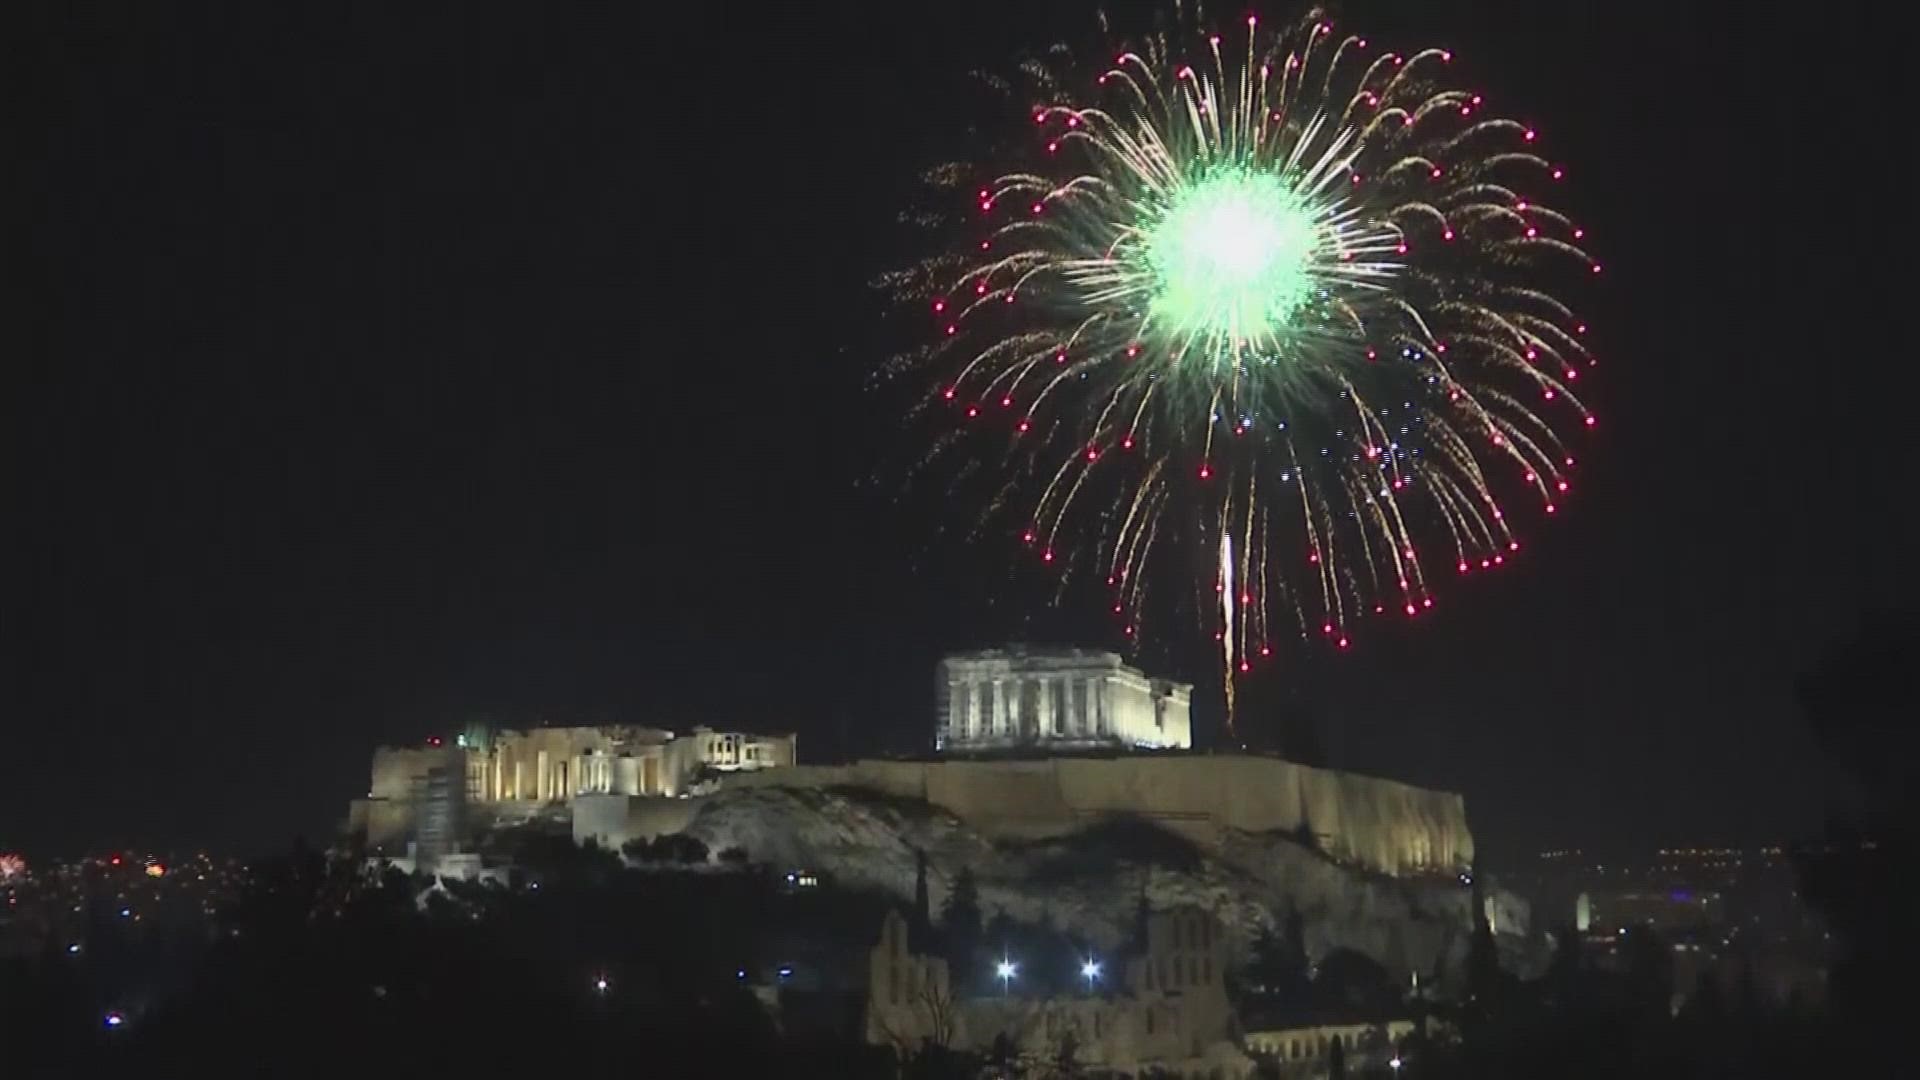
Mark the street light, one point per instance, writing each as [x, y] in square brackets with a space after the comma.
[1006, 969]
[600, 984]
[1395, 1064]
[1090, 970]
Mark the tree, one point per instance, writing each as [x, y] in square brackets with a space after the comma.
[1567, 962]
[1563, 978]
[1295, 931]
[1354, 982]
[1649, 974]
[1747, 994]
[960, 920]
[1486, 983]
[1277, 966]
[922, 905]
[1706, 1007]
[933, 1026]
[1437, 980]
[1857, 701]
[1053, 958]
[668, 848]
[682, 848]
[1002, 1054]
[961, 914]
[1066, 1064]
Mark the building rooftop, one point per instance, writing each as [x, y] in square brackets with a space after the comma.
[1036, 652]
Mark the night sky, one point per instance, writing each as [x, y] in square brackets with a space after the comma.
[374, 369]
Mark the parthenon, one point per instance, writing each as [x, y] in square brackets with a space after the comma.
[1057, 698]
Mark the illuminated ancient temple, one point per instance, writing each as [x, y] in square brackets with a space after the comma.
[1058, 699]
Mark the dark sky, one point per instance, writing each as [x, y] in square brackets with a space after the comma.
[379, 367]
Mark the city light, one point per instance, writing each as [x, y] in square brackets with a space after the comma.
[1006, 969]
[1090, 971]
[1395, 1064]
[600, 984]
[115, 1019]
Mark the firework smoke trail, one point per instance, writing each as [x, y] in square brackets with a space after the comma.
[1227, 636]
[1277, 313]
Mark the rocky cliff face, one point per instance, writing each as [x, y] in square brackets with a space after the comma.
[1365, 821]
[1092, 881]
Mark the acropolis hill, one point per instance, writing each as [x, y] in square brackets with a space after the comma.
[1063, 780]
[1087, 703]
[1374, 824]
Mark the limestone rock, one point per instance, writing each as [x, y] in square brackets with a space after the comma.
[1092, 881]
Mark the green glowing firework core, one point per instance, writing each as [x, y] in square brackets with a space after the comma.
[1230, 257]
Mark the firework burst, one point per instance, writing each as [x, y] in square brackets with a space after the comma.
[1280, 311]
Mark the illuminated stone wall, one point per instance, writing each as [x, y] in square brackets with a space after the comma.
[1376, 824]
[1163, 1010]
[510, 774]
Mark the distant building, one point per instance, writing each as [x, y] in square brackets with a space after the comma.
[427, 796]
[1169, 1011]
[1670, 911]
[1056, 699]
[1725, 913]
[1301, 1049]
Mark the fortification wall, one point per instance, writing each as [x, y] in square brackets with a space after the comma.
[396, 769]
[385, 822]
[1379, 824]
